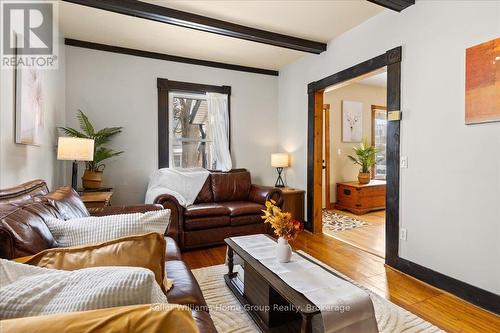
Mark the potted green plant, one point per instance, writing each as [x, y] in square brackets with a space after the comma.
[92, 177]
[365, 157]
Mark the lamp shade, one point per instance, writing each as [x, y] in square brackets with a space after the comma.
[75, 149]
[279, 160]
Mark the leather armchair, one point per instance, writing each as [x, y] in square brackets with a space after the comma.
[227, 205]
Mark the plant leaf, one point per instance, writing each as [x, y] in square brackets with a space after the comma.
[73, 132]
[85, 124]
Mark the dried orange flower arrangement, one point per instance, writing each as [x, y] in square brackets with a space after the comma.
[282, 222]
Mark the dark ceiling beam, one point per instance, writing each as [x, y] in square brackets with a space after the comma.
[397, 5]
[167, 57]
[198, 22]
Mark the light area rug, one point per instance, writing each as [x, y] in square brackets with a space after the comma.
[230, 317]
[334, 222]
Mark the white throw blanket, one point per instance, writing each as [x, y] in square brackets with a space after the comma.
[31, 291]
[183, 184]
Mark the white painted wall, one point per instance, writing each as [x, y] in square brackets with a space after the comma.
[450, 194]
[120, 90]
[21, 163]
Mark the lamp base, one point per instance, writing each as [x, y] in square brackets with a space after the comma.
[279, 181]
[74, 174]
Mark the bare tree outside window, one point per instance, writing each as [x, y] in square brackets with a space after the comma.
[190, 147]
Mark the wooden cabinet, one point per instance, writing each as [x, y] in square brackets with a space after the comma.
[96, 199]
[293, 202]
[361, 199]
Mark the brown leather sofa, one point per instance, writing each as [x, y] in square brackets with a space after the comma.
[24, 233]
[227, 205]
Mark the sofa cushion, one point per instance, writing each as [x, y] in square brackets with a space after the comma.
[147, 251]
[246, 219]
[200, 223]
[206, 209]
[185, 290]
[24, 229]
[67, 202]
[96, 229]
[238, 208]
[159, 318]
[30, 291]
[230, 186]
[24, 192]
[205, 194]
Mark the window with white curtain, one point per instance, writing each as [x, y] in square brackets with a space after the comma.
[194, 126]
[188, 119]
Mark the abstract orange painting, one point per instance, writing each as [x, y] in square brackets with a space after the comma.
[482, 82]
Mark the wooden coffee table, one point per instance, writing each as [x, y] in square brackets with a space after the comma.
[272, 304]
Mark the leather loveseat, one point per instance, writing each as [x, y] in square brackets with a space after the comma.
[23, 233]
[227, 205]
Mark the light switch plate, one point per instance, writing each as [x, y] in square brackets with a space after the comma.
[404, 162]
[403, 234]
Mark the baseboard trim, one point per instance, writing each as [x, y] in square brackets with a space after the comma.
[477, 296]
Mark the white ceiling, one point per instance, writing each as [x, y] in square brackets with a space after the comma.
[378, 80]
[316, 20]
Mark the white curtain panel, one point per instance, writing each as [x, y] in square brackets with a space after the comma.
[218, 121]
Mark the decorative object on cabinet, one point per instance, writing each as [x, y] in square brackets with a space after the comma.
[279, 161]
[366, 158]
[75, 149]
[92, 178]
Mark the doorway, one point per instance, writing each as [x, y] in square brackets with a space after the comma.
[354, 212]
[392, 61]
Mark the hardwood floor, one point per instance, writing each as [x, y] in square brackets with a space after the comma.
[436, 306]
[370, 238]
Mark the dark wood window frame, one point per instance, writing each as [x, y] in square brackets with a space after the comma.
[374, 109]
[164, 87]
[392, 59]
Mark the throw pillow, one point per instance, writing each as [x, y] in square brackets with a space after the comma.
[123, 319]
[147, 251]
[97, 229]
[32, 291]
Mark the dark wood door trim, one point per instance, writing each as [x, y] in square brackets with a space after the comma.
[397, 5]
[166, 57]
[391, 59]
[188, 20]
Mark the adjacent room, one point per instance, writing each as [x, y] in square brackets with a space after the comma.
[355, 131]
[249, 166]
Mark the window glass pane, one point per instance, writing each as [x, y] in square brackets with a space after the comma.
[380, 135]
[190, 147]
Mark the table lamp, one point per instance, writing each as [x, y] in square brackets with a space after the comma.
[279, 161]
[75, 149]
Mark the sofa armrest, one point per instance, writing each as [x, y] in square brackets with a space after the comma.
[176, 216]
[116, 210]
[260, 194]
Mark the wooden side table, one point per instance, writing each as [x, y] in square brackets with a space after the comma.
[96, 199]
[293, 202]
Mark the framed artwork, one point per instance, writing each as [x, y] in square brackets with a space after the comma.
[352, 121]
[482, 83]
[29, 106]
